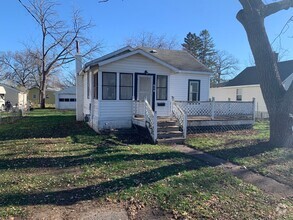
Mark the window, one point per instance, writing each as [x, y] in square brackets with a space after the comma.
[162, 82]
[96, 86]
[61, 100]
[193, 90]
[72, 100]
[238, 94]
[47, 96]
[109, 86]
[88, 85]
[126, 86]
[34, 96]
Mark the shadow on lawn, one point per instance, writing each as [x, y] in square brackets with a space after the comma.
[243, 151]
[62, 126]
[85, 159]
[67, 197]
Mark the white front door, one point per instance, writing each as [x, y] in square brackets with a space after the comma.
[145, 85]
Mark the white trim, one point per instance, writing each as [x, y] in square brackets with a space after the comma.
[194, 72]
[141, 52]
[116, 52]
[290, 77]
[233, 87]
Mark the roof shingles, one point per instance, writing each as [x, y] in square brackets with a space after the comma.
[249, 77]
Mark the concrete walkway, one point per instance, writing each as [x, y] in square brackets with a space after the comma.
[266, 184]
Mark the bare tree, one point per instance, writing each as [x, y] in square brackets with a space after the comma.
[18, 67]
[279, 102]
[149, 39]
[57, 44]
[69, 79]
[226, 65]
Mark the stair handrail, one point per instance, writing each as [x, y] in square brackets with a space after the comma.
[180, 116]
[151, 121]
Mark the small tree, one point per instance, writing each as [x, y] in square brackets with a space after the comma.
[19, 68]
[279, 102]
[149, 39]
[225, 66]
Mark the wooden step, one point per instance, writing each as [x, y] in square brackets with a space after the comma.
[168, 128]
[169, 134]
[176, 140]
[166, 123]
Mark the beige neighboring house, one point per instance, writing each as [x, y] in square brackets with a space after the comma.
[34, 96]
[16, 96]
[245, 87]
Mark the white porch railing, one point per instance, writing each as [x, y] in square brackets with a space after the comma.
[151, 121]
[138, 108]
[218, 108]
[181, 117]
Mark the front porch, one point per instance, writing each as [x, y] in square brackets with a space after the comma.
[193, 117]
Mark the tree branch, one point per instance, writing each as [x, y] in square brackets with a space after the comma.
[276, 6]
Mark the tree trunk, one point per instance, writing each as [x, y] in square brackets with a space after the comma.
[43, 92]
[279, 104]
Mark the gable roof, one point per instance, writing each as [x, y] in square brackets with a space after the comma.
[180, 59]
[249, 77]
[68, 90]
[177, 60]
[10, 87]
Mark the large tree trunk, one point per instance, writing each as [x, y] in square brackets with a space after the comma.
[279, 102]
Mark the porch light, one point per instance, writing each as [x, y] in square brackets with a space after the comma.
[146, 72]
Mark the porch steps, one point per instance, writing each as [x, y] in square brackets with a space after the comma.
[168, 132]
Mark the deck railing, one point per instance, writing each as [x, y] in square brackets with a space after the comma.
[215, 109]
[181, 117]
[138, 108]
[151, 121]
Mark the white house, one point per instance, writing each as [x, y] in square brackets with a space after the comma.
[2, 97]
[108, 87]
[66, 98]
[245, 87]
[14, 95]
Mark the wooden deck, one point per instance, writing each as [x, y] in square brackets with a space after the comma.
[204, 121]
[194, 121]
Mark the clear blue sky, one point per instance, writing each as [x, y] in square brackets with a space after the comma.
[119, 19]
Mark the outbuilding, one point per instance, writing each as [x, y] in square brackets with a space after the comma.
[66, 98]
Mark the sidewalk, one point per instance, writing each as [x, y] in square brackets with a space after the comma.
[266, 184]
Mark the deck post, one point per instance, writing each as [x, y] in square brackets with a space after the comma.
[253, 109]
[185, 126]
[213, 108]
[155, 127]
[172, 103]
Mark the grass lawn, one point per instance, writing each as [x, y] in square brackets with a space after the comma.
[250, 149]
[49, 159]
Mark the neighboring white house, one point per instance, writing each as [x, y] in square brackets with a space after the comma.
[108, 86]
[66, 98]
[245, 87]
[2, 97]
[14, 95]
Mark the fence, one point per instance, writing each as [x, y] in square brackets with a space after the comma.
[11, 116]
[218, 109]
